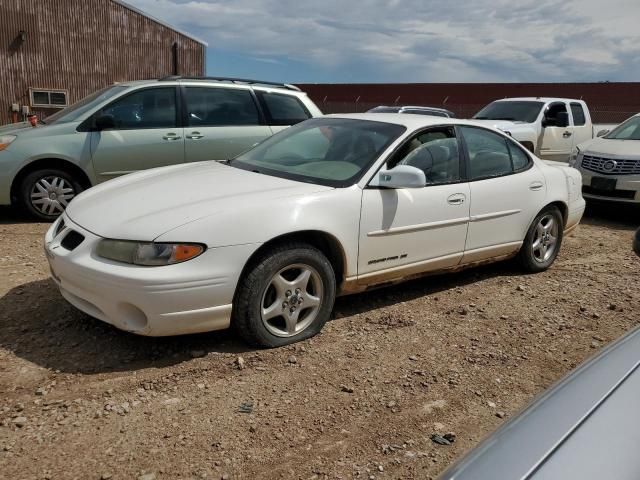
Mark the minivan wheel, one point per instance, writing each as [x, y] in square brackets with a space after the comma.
[45, 194]
[285, 297]
[542, 243]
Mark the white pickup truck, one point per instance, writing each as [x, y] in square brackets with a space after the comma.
[549, 127]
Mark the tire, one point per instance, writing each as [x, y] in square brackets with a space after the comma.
[543, 240]
[44, 194]
[275, 304]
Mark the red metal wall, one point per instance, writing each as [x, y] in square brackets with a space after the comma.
[82, 46]
[609, 102]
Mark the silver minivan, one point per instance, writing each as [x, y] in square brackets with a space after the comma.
[139, 125]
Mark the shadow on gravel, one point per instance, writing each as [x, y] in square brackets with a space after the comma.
[38, 325]
[612, 215]
[10, 215]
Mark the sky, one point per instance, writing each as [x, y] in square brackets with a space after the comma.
[371, 41]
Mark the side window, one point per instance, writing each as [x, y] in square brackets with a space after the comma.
[552, 112]
[220, 106]
[149, 108]
[435, 152]
[578, 114]
[283, 109]
[488, 153]
[519, 158]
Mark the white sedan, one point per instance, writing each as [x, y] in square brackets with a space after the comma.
[331, 206]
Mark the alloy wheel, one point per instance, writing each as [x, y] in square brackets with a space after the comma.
[545, 239]
[50, 195]
[292, 299]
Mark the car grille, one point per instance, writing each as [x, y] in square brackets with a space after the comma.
[72, 240]
[610, 166]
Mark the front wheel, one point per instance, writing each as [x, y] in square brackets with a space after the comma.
[45, 194]
[542, 243]
[285, 297]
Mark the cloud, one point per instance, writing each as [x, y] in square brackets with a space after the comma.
[422, 40]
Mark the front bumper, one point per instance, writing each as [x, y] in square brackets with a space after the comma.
[627, 187]
[190, 297]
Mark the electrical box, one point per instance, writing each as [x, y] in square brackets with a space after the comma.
[15, 107]
[25, 109]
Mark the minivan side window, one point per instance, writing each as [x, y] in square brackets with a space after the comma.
[283, 109]
[489, 154]
[148, 108]
[578, 114]
[220, 106]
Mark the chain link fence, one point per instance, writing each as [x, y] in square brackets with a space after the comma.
[599, 114]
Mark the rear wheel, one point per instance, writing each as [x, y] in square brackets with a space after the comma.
[542, 243]
[287, 296]
[45, 194]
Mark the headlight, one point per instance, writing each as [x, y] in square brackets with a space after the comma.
[5, 140]
[148, 254]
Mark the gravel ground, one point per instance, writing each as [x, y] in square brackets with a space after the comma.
[458, 353]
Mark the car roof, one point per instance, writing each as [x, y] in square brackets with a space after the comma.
[409, 120]
[539, 99]
[223, 82]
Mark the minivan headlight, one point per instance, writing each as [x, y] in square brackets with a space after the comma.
[5, 141]
[148, 253]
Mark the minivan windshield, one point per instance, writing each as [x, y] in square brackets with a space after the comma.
[627, 130]
[75, 111]
[515, 111]
[334, 152]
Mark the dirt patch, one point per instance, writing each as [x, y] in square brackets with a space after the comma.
[447, 354]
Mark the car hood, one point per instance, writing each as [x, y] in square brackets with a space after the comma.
[611, 148]
[14, 128]
[142, 206]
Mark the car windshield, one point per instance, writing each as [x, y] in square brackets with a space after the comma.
[520, 111]
[627, 130]
[75, 111]
[327, 151]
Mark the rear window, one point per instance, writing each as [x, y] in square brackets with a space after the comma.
[283, 109]
[578, 114]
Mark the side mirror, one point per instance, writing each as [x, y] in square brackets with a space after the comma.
[402, 176]
[562, 119]
[636, 242]
[105, 122]
[602, 133]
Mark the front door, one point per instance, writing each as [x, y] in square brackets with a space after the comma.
[557, 142]
[407, 231]
[146, 134]
[507, 190]
[221, 123]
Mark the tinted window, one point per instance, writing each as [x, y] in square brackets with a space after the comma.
[149, 108]
[551, 115]
[220, 106]
[628, 130]
[519, 158]
[72, 113]
[578, 114]
[283, 109]
[435, 153]
[326, 151]
[488, 153]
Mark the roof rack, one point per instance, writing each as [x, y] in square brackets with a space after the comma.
[245, 81]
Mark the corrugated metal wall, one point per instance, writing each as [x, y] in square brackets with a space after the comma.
[82, 46]
[610, 102]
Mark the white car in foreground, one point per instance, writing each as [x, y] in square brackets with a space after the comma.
[610, 165]
[333, 205]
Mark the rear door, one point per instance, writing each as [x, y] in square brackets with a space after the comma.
[146, 134]
[557, 142]
[582, 129]
[221, 122]
[507, 190]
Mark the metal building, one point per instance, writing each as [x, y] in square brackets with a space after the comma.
[55, 52]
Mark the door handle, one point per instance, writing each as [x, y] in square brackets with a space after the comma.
[535, 186]
[566, 134]
[171, 136]
[456, 199]
[195, 135]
